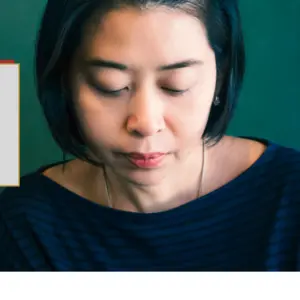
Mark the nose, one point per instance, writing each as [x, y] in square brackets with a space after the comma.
[146, 115]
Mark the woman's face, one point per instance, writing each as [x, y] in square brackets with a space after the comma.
[144, 82]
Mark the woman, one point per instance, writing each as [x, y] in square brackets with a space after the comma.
[141, 93]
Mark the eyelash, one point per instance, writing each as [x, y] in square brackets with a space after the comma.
[117, 93]
[174, 92]
[109, 93]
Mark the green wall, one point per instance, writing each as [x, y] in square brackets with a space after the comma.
[269, 105]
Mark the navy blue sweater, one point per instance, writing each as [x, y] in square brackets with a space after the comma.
[251, 223]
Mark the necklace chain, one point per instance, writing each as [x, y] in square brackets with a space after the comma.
[109, 200]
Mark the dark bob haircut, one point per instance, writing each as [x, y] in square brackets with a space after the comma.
[60, 35]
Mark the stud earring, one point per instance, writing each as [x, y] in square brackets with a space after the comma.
[217, 101]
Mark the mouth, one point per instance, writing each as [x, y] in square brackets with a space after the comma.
[145, 156]
[145, 160]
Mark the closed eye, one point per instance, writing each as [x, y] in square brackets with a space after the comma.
[109, 93]
[117, 93]
[99, 88]
[174, 91]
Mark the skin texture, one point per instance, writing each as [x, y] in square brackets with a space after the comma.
[145, 116]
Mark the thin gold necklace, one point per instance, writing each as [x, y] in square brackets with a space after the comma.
[109, 200]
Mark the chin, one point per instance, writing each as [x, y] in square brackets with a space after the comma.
[143, 177]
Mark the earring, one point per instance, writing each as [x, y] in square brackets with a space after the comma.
[217, 101]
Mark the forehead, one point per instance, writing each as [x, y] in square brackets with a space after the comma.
[156, 36]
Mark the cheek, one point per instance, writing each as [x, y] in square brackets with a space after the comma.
[188, 118]
[186, 126]
[101, 122]
[193, 111]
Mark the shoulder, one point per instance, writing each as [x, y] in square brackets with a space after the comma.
[289, 156]
[278, 169]
[265, 163]
[254, 161]
[285, 163]
[285, 159]
[21, 209]
[282, 159]
[35, 193]
[282, 163]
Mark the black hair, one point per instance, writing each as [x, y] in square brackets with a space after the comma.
[60, 35]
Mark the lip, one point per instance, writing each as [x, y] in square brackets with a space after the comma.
[151, 155]
[146, 160]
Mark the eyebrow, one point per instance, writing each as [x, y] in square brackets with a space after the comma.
[101, 63]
